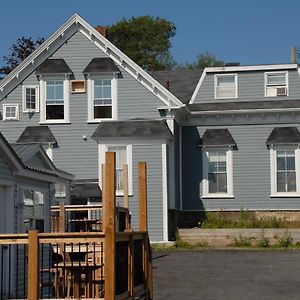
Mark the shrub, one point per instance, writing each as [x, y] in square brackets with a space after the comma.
[285, 241]
[242, 241]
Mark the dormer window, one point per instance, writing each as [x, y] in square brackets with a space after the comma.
[276, 84]
[102, 79]
[225, 86]
[54, 77]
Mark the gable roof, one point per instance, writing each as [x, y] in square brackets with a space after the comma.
[133, 128]
[181, 83]
[56, 40]
[36, 134]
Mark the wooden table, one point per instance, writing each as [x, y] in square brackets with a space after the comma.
[77, 269]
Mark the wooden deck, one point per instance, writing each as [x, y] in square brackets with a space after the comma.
[106, 262]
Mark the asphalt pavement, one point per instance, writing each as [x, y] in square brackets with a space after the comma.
[227, 275]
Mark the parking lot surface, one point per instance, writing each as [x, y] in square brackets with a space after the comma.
[227, 274]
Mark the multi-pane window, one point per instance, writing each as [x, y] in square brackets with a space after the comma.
[225, 86]
[33, 210]
[10, 111]
[276, 84]
[217, 172]
[121, 160]
[54, 100]
[30, 98]
[102, 99]
[286, 171]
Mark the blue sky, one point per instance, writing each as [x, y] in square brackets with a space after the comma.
[248, 31]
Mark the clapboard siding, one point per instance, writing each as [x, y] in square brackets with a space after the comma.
[36, 162]
[152, 155]
[73, 154]
[5, 170]
[250, 88]
[251, 172]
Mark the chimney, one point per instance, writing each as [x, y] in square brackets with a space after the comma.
[294, 55]
[102, 30]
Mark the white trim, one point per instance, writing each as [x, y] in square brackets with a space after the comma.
[114, 98]
[273, 172]
[102, 43]
[132, 140]
[43, 98]
[250, 68]
[216, 76]
[198, 87]
[286, 85]
[180, 166]
[244, 111]
[165, 191]
[37, 98]
[5, 106]
[229, 170]
[49, 151]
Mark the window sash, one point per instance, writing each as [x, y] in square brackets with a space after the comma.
[276, 79]
[30, 98]
[10, 112]
[217, 172]
[54, 92]
[226, 86]
[121, 160]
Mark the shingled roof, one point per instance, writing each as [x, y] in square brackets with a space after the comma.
[181, 83]
[37, 134]
[133, 128]
[54, 66]
[100, 65]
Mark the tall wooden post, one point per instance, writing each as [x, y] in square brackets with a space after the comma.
[109, 225]
[62, 218]
[125, 186]
[33, 265]
[143, 196]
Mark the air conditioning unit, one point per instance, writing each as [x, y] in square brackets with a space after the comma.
[281, 91]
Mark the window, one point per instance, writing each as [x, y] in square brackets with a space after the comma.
[33, 210]
[30, 98]
[102, 95]
[123, 157]
[54, 100]
[225, 86]
[60, 190]
[121, 160]
[217, 173]
[285, 171]
[10, 112]
[276, 84]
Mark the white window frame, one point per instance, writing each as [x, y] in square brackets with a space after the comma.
[114, 98]
[225, 75]
[34, 217]
[37, 98]
[43, 82]
[273, 171]
[286, 73]
[102, 148]
[5, 118]
[229, 170]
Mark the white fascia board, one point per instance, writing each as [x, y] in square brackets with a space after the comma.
[245, 111]
[43, 47]
[107, 47]
[251, 68]
[198, 86]
[128, 64]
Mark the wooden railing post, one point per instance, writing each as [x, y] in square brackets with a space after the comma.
[142, 172]
[62, 218]
[33, 265]
[109, 226]
[125, 194]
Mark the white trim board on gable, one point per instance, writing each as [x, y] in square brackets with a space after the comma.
[72, 25]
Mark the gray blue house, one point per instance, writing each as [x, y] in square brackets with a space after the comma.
[218, 139]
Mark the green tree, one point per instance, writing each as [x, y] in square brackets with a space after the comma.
[19, 51]
[146, 40]
[203, 60]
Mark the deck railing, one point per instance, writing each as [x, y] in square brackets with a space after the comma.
[108, 264]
